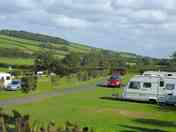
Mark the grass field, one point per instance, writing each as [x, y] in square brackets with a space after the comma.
[16, 61]
[30, 46]
[44, 85]
[35, 46]
[89, 109]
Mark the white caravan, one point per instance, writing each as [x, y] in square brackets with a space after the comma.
[5, 80]
[149, 88]
[160, 73]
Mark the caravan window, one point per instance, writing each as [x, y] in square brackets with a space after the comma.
[170, 86]
[169, 75]
[134, 85]
[161, 83]
[147, 85]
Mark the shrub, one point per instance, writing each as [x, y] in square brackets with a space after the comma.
[54, 80]
[29, 83]
[83, 76]
[92, 73]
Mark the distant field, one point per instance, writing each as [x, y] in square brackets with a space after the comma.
[30, 46]
[16, 61]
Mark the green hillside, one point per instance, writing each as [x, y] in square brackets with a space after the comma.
[13, 47]
[20, 47]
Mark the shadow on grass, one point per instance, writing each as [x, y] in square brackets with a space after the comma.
[166, 108]
[105, 86]
[139, 129]
[116, 98]
[156, 122]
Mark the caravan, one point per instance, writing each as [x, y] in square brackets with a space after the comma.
[149, 87]
[5, 80]
[159, 73]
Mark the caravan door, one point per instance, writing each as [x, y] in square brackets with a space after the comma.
[149, 90]
[132, 90]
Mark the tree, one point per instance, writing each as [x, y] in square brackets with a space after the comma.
[174, 56]
[72, 60]
[44, 61]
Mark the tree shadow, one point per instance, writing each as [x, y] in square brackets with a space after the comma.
[155, 122]
[139, 129]
[118, 98]
[166, 108]
[105, 86]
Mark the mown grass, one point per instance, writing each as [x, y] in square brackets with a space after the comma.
[87, 108]
[43, 85]
[16, 61]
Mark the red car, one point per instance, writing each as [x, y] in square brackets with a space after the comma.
[114, 81]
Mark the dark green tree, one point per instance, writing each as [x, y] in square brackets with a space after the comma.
[44, 61]
[72, 60]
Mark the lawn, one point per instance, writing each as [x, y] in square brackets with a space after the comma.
[87, 108]
[44, 85]
[16, 61]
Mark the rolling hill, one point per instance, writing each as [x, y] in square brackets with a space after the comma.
[19, 47]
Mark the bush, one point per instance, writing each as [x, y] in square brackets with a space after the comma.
[29, 83]
[83, 76]
[93, 73]
[54, 80]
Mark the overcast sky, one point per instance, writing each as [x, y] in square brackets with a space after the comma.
[146, 27]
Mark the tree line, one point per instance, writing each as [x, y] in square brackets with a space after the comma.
[33, 36]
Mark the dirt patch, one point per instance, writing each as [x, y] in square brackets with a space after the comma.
[126, 113]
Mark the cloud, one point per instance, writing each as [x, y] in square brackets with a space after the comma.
[128, 25]
[145, 4]
[69, 22]
[150, 16]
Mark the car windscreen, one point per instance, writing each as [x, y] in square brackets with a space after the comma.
[15, 82]
[115, 78]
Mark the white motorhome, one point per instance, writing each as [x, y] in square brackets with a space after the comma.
[160, 73]
[5, 80]
[148, 87]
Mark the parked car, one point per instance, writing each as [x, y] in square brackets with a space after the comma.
[114, 81]
[14, 85]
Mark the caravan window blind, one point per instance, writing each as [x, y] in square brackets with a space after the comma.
[147, 85]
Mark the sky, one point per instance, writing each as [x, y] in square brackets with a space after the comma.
[145, 27]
